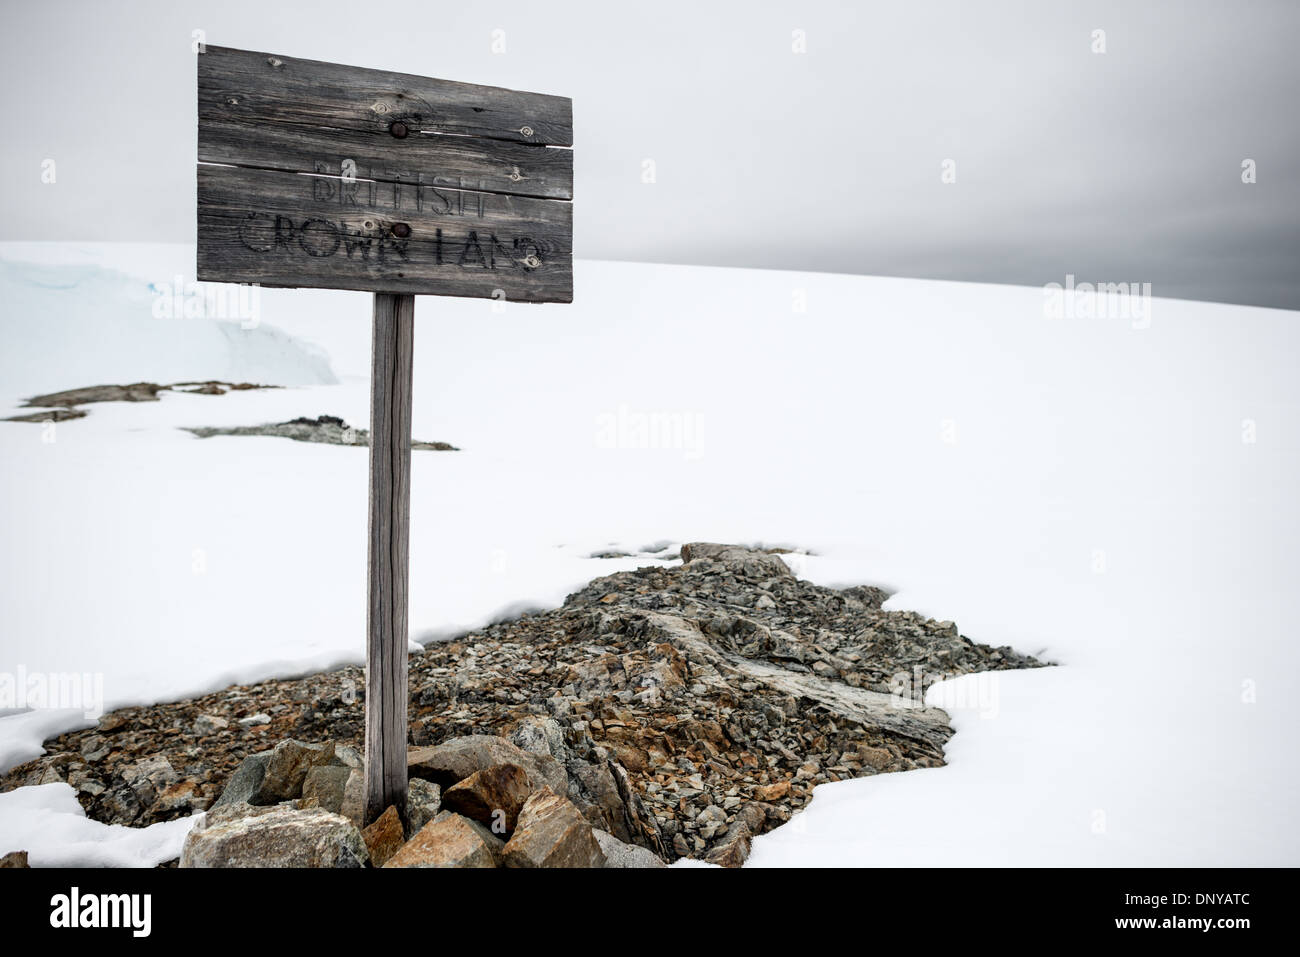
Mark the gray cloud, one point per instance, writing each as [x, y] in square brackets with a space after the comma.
[1123, 166]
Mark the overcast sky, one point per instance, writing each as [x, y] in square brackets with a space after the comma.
[1117, 166]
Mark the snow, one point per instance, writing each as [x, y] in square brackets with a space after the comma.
[87, 324]
[48, 823]
[1077, 488]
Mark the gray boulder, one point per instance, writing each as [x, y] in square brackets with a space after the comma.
[287, 768]
[618, 854]
[423, 802]
[240, 835]
[246, 783]
[325, 786]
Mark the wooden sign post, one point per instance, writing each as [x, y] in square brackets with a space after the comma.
[321, 175]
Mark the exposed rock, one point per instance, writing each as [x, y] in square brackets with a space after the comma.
[60, 406]
[384, 836]
[206, 724]
[541, 736]
[733, 849]
[750, 562]
[329, 429]
[772, 792]
[48, 415]
[287, 768]
[246, 783]
[325, 785]
[240, 835]
[649, 697]
[593, 791]
[552, 833]
[493, 796]
[183, 796]
[135, 392]
[618, 854]
[453, 761]
[354, 797]
[14, 859]
[95, 748]
[450, 840]
[149, 778]
[423, 802]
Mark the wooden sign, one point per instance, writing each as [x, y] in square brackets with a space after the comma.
[317, 174]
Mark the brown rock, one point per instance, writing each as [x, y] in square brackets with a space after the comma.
[493, 796]
[772, 792]
[454, 760]
[450, 840]
[14, 859]
[287, 768]
[325, 786]
[551, 832]
[732, 849]
[877, 758]
[384, 837]
[181, 796]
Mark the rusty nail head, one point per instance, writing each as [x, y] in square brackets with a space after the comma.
[401, 230]
[398, 129]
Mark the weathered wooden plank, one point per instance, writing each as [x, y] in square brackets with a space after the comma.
[466, 162]
[389, 533]
[269, 89]
[286, 229]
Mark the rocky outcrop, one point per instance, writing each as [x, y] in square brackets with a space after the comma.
[60, 406]
[667, 705]
[327, 429]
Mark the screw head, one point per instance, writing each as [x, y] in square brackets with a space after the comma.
[398, 129]
[401, 230]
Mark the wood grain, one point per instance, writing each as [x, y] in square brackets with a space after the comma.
[459, 161]
[389, 532]
[282, 91]
[286, 229]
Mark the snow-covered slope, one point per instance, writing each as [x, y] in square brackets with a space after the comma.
[66, 325]
[1118, 499]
